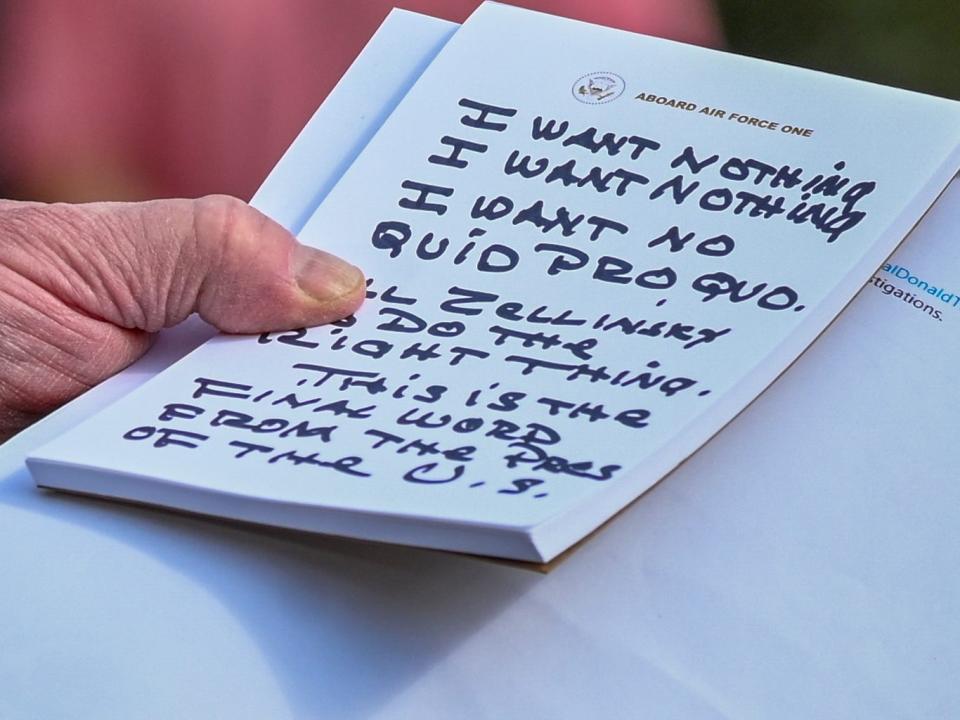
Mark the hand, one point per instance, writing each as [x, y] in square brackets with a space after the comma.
[83, 287]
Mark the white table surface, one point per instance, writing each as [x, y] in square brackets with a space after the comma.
[737, 588]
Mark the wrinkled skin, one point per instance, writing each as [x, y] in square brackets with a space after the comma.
[84, 287]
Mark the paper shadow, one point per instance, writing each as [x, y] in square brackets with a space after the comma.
[344, 625]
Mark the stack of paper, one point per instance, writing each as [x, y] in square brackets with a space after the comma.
[588, 250]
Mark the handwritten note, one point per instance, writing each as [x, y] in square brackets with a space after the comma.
[571, 287]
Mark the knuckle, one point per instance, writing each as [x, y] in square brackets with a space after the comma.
[226, 232]
[221, 221]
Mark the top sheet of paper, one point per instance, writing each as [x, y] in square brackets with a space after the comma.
[588, 249]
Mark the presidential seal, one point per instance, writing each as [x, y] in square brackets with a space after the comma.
[598, 88]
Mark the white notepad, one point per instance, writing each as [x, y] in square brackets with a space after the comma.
[574, 287]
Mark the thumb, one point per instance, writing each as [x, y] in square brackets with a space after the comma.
[150, 265]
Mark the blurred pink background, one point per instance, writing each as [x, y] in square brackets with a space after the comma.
[129, 99]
